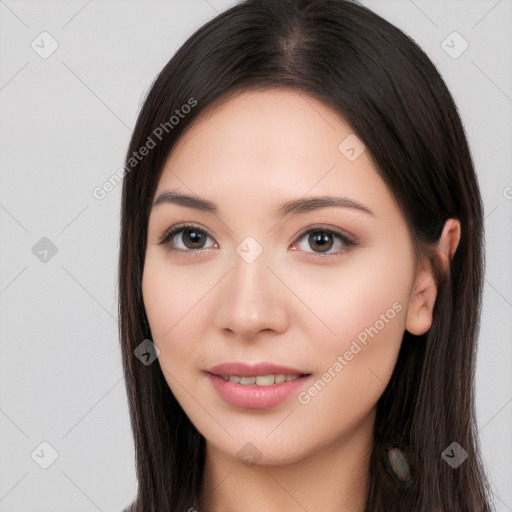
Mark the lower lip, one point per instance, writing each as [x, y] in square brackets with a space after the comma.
[255, 397]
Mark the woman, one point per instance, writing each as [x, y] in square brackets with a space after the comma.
[300, 271]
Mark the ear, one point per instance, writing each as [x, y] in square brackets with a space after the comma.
[424, 292]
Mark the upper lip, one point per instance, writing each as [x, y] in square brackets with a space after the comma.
[252, 369]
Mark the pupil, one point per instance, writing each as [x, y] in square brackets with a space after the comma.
[321, 238]
[195, 236]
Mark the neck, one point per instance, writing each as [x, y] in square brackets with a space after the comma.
[330, 479]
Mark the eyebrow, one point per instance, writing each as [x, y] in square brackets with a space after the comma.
[292, 207]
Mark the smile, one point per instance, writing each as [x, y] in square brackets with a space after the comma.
[257, 392]
[260, 380]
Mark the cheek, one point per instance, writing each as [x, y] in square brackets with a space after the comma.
[353, 298]
[174, 300]
[353, 369]
[362, 307]
[179, 312]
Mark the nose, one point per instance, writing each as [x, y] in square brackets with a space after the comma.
[252, 299]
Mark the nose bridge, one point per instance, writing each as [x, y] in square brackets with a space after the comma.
[251, 300]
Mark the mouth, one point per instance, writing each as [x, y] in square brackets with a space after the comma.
[262, 380]
[253, 370]
[255, 386]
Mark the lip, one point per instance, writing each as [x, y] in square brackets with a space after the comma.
[255, 397]
[253, 369]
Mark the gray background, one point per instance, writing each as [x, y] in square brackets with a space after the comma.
[64, 128]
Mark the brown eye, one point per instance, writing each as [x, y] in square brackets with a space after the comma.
[320, 240]
[324, 242]
[193, 238]
[186, 239]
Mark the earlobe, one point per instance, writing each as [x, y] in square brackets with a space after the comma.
[424, 292]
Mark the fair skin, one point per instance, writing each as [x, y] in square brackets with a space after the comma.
[209, 305]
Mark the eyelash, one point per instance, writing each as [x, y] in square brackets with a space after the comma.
[343, 238]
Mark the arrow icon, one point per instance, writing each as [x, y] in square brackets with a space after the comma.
[44, 44]
[44, 455]
[147, 352]
[44, 250]
[454, 45]
[249, 253]
[249, 454]
[351, 147]
[454, 455]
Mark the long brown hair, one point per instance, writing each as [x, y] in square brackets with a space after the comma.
[395, 100]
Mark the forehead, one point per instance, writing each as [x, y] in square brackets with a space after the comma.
[259, 115]
[268, 146]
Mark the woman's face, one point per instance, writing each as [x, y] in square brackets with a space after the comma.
[321, 292]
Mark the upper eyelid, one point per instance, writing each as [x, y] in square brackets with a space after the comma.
[170, 233]
[336, 231]
[174, 230]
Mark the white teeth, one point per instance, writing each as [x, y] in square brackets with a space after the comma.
[260, 380]
[265, 380]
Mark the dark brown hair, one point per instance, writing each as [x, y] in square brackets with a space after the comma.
[391, 94]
